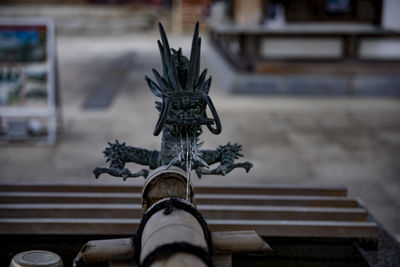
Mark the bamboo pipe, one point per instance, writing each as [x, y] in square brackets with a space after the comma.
[173, 232]
[219, 260]
[164, 183]
[179, 259]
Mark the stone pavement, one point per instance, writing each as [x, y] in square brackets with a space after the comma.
[339, 141]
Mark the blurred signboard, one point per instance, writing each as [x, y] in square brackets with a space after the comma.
[27, 79]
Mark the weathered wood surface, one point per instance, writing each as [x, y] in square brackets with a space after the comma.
[239, 241]
[266, 228]
[215, 189]
[282, 211]
[222, 212]
[105, 250]
[210, 199]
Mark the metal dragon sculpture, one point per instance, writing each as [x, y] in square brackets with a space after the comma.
[184, 100]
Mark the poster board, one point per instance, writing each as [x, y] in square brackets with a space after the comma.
[27, 79]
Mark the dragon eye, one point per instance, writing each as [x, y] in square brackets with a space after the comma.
[196, 108]
[175, 105]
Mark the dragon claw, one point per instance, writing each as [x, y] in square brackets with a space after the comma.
[97, 171]
[117, 172]
[247, 166]
[125, 173]
[199, 172]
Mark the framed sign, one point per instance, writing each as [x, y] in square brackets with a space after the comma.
[27, 79]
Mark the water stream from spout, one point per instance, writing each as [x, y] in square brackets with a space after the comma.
[187, 154]
[188, 164]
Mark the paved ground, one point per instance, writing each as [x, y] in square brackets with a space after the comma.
[352, 142]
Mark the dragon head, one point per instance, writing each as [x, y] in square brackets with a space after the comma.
[184, 93]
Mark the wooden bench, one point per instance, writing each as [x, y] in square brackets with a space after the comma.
[246, 47]
[78, 213]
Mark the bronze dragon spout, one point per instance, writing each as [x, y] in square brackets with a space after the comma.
[184, 100]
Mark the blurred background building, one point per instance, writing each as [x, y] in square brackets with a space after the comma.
[311, 47]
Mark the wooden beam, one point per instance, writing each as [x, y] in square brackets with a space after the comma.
[68, 197]
[265, 228]
[276, 200]
[206, 199]
[281, 213]
[299, 228]
[200, 189]
[239, 241]
[105, 250]
[226, 212]
[329, 68]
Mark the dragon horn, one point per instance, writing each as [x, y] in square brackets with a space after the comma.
[164, 64]
[197, 69]
[153, 87]
[162, 117]
[193, 58]
[172, 78]
[161, 81]
[218, 127]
